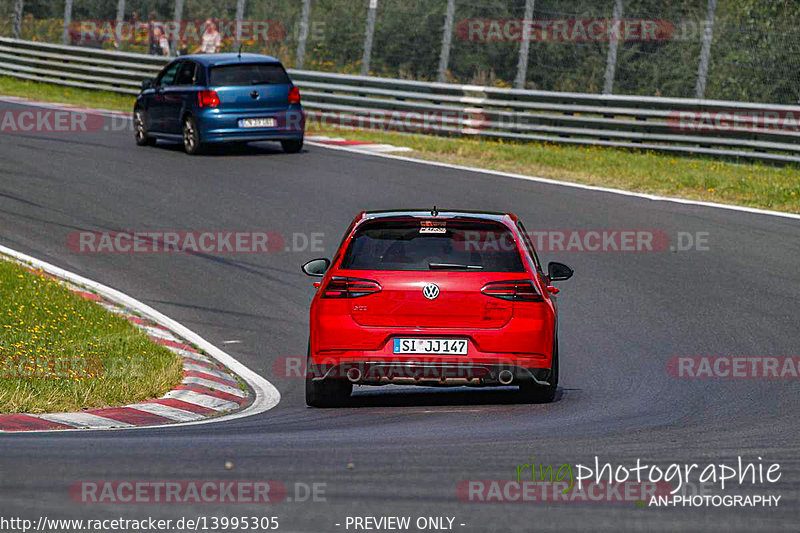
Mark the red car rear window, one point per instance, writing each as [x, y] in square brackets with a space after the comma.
[432, 244]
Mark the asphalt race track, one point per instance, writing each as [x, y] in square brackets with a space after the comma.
[404, 452]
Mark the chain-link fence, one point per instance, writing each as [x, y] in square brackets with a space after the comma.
[743, 50]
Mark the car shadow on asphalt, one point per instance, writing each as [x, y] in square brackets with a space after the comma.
[230, 149]
[431, 396]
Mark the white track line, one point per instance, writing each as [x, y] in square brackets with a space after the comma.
[381, 148]
[159, 333]
[322, 138]
[189, 355]
[266, 395]
[203, 400]
[217, 386]
[84, 421]
[310, 140]
[173, 413]
[113, 308]
[560, 183]
[208, 371]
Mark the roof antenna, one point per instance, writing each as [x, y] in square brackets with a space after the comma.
[434, 211]
[240, 50]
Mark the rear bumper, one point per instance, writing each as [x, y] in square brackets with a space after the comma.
[252, 137]
[430, 373]
[476, 368]
[217, 126]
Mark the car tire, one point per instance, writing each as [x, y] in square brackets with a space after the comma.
[292, 147]
[326, 392]
[140, 129]
[191, 137]
[533, 393]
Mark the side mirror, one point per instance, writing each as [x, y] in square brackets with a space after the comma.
[147, 84]
[316, 267]
[559, 272]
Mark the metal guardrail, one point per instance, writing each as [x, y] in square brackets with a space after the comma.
[644, 123]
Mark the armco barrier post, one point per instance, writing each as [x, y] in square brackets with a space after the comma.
[239, 18]
[447, 38]
[303, 36]
[67, 21]
[524, 50]
[705, 50]
[613, 46]
[120, 10]
[177, 18]
[373, 8]
[16, 23]
[120, 20]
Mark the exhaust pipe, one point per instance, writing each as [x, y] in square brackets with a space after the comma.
[506, 377]
[354, 375]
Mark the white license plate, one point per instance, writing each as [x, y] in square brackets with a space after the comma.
[431, 346]
[257, 123]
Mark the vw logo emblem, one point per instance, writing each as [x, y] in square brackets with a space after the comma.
[431, 291]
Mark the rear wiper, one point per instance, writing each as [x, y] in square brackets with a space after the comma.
[453, 266]
[262, 83]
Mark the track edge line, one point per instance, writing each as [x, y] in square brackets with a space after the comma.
[267, 395]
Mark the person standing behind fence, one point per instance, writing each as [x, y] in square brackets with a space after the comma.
[160, 45]
[183, 45]
[152, 42]
[133, 29]
[211, 39]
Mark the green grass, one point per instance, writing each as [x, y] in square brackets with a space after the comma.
[715, 180]
[65, 95]
[62, 352]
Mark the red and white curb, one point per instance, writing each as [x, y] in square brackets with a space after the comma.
[362, 146]
[210, 390]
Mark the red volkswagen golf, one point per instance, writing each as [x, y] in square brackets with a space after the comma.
[451, 298]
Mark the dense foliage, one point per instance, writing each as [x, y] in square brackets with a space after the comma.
[753, 55]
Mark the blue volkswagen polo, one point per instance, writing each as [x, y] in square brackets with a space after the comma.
[218, 98]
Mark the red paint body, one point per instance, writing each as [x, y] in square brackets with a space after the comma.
[498, 331]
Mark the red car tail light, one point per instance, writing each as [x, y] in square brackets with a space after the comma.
[294, 95]
[207, 99]
[339, 287]
[513, 290]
